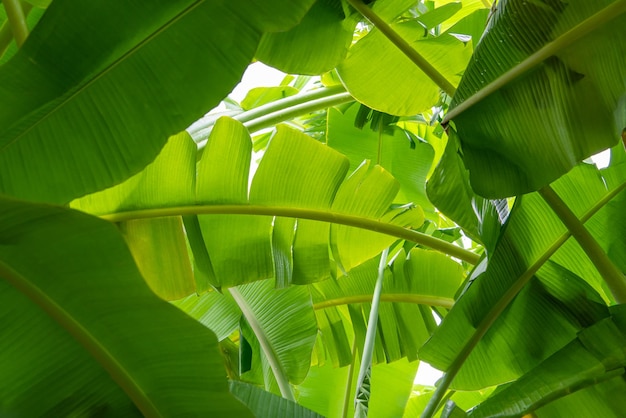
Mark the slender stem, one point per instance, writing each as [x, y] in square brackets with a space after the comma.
[346, 399]
[272, 119]
[6, 34]
[372, 324]
[266, 346]
[594, 22]
[202, 129]
[17, 20]
[405, 47]
[313, 214]
[614, 278]
[504, 301]
[290, 101]
[387, 297]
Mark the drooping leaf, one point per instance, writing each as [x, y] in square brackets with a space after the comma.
[403, 89]
[574, 95]
[317, 44]
[449, 190]
[160, 251]
[238, 246]
[408, 163]
[104, 331]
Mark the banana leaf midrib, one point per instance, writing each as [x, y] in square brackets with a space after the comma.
[304, 213]
[64, 318]
[393, 297]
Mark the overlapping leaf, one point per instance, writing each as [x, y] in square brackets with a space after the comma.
[317, 44]
[84, 334]
[596, 355]
[403, 89]
[569, 103]
[530, 237]
[94, 118]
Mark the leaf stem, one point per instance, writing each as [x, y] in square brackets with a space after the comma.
[501, 305]
[372, 325]
[272, 119]
[201, 130]
[387, 297]
[614, 279]
[313, 214]
[17, 20]
[6, 34]
[588, 25]
[279, 373]
[395, 38]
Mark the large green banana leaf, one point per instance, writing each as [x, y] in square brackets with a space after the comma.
[529, 239]
[83, 334]
[544, 90]
[403, 89]
[103, 101]
[595, 356]
[295, 172]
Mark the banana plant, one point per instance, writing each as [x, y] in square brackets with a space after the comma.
[159, 261]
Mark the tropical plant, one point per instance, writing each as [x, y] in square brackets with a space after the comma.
[418, 189]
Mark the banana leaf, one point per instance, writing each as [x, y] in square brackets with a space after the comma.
[83, 333]
[94, 119]
[547, 81]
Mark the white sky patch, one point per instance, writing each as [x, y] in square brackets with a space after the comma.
[427, 375]
[257, 75]
[602, 159]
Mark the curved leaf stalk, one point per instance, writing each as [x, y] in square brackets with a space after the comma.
[316, 215]
[387, 297]
[501, 305]
[272, 119]
[6, 34]
[284, 106]
[362, 395]
[272, 358]
[393, 36]
[17, 20]
[614, 279]
[587, 26]
[108, 361]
